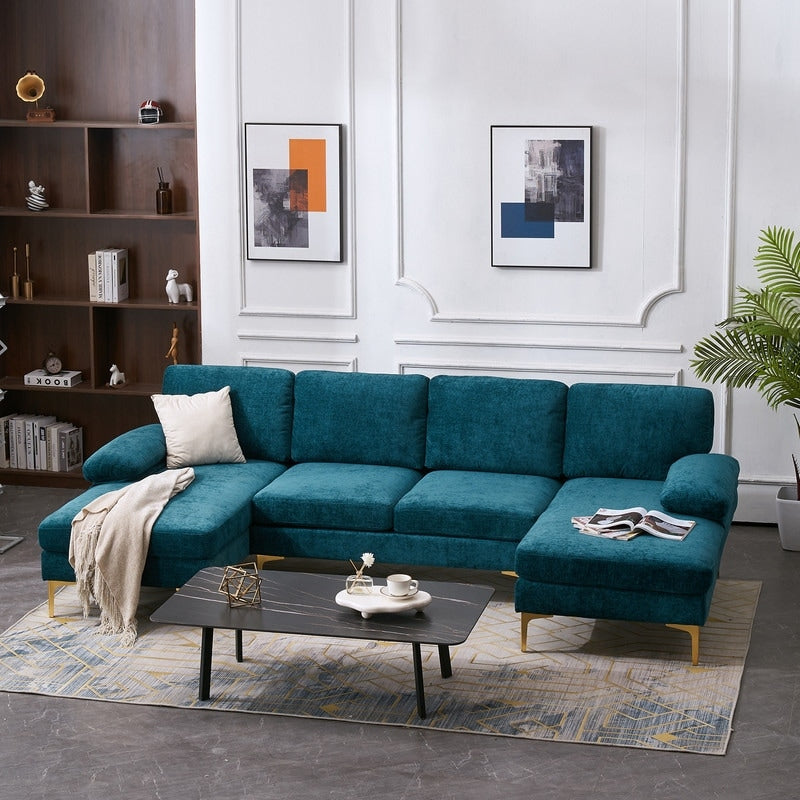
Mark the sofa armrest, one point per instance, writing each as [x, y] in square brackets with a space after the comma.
[704, 485]
[128, 457]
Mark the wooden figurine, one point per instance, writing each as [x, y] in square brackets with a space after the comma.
[173, 345]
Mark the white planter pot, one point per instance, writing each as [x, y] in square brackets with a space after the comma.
[788, 518]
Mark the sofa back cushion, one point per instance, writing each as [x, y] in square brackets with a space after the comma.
[360, 418]
[634, 431]
[261, 401]
[494, 424]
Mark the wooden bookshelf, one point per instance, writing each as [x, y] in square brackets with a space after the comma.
[99, 59]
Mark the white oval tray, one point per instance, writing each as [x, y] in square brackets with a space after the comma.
[379, 603]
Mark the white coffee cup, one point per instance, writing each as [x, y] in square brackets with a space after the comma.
[400, 585]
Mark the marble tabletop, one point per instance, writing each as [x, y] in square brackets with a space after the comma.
[305, 603]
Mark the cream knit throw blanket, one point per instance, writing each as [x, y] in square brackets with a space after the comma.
[108, 547]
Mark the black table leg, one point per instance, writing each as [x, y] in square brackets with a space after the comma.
[206, 648]
[239, 656]
[444, 661]
[418, 679]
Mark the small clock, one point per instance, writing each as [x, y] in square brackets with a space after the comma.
[52, 364]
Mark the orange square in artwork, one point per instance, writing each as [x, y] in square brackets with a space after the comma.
[309, 155]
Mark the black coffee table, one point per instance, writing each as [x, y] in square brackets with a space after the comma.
[303, 603]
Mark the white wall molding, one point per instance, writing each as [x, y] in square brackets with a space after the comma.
[544, 344]
[637, 317]
[269, 336]
[298, 364]
[552, 371]
[256, 308]
[728, 280]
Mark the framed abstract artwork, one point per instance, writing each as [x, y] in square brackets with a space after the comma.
[541, 196]
[293, 192]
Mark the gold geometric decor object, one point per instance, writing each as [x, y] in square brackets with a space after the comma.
[242, 584]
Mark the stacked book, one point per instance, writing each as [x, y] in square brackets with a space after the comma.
[108, 275]
[40, 442]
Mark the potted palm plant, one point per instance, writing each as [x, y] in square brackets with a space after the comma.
[759, 346]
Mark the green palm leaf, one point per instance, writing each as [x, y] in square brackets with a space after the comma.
[758, 346]
[778, 261]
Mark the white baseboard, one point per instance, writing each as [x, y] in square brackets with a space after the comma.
[757, 503]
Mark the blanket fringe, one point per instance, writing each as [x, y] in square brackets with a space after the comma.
[84, 546]
[111, 620]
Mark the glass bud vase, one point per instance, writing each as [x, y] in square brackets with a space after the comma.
[358, 584]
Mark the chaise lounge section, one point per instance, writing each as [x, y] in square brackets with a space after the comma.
[625, 446]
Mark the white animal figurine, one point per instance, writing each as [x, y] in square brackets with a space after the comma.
[175, 289]
[117, 377]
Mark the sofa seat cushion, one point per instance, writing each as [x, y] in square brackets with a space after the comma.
[481, 505]
[342, 496]
[198, 523]
[554, 552]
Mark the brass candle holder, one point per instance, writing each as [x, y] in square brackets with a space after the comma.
[15, 278]
[27, 284]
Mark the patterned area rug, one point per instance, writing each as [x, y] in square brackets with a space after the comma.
[587, 681]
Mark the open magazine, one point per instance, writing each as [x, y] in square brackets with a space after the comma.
[627, 523]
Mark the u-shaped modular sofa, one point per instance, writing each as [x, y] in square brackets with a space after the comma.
[458, 471]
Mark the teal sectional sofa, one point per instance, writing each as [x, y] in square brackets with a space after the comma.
[462, 471]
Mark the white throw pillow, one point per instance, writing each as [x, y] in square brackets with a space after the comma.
[198, 428]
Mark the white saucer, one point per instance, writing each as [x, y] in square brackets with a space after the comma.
[385, 593]
[380, 603]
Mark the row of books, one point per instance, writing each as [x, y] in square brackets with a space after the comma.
[38, 441]
[108, 275]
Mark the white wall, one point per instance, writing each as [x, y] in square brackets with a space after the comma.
[694, 152]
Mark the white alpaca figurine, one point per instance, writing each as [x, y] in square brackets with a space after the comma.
[117, 377]
[175, 289]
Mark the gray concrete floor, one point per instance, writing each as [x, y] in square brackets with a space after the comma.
[56, 748]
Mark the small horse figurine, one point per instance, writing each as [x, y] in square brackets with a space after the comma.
[117, 377]
[175, 289]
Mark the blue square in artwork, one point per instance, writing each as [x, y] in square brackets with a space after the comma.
[514, 225]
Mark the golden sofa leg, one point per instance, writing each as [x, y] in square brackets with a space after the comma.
[261, 560]
[694, 632]
[52, 587]
[525, 618]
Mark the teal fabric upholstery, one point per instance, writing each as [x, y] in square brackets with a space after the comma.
[464, 471]
[496, 425]
[554, 552]
[261, 402]
[634, 431]
[389, 547]
[703, 486]
[355, 418]
[477, 505]
[54, 529]
[189, 531]
[314, 495]
[158, 571]
[130, 457]
[605, 603]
